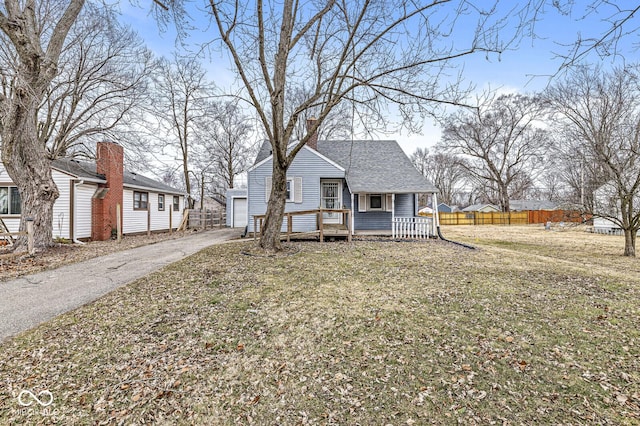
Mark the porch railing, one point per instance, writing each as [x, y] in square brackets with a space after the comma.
[322, 229]
[412, 227]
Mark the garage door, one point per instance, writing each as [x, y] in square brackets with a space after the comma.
[239, 213]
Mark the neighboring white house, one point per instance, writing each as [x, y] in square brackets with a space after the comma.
[89, 194]
[607, 203]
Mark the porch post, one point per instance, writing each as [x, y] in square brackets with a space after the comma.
[393, 215]
[436, 219]
[352, 230]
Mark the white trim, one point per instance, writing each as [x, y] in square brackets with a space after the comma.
[362, 203]
[292, 191]
[150, 189]
[333, 163]
[340, 200]
[389, 205]
[316, 153]
[74, 176]
[232, 222]
[382, 203]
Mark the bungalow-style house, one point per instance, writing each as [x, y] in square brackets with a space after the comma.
[483, 208]
[526, 205]
[375, 180]
[89, 194]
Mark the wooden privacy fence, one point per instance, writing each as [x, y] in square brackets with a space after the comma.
[206, 218]
[412, 227]
[512, 218]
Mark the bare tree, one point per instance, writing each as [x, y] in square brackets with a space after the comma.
[226, 146]
[501, 144]
[181, 96]
[603, 108]
[420, 159]
[369, 52]
[102, 78]
[446, 171]
[34, 33]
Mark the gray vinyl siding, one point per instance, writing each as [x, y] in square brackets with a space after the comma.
[405, 205]
[308, 166]
[381, 220]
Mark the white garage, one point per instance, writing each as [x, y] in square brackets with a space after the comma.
[237, 208]
[239, 213]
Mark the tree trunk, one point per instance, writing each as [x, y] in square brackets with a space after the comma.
[26, 162]
[630, 242]
[270, 239]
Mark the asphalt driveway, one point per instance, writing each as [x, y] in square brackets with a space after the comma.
[33, 299]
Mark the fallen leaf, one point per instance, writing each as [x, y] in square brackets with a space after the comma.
[622, 398]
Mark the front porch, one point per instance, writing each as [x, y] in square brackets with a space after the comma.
[401, 227]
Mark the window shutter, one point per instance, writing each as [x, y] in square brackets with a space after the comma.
[267, 188]
[389, 204]
[362, 202]
[297, 190]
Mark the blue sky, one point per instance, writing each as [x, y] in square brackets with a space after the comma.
[525, 69]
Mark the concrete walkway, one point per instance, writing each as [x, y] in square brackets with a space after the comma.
[33, 299]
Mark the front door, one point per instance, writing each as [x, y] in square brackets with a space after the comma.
[331, 198]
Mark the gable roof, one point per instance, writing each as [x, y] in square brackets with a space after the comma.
[371, 166]
[478, 207]
[376, 166]
[521, 205]
[87, 170]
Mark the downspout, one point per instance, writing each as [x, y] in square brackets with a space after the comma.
[436, 222]
[75, 211]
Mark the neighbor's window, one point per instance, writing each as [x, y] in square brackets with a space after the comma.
[289, 189]
[375, 202]
[176, 203]
[140, 200]
[9, 200]
[161, 202]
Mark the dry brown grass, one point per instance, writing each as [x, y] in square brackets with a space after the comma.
[531, 328]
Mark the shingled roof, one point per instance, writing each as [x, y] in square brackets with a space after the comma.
[371, 166]
[376, 166]
[87, 170]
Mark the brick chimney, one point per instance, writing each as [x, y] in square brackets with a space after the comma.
[313, 140]
[109, 163]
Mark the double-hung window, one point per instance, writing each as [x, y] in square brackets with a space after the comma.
[10, 200]
[140, 200]
[289, 189]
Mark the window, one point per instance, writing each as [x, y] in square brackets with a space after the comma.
[10, 200]
[375, 202]
[140, 200]
[161, 202]
[176, 203]
[290, 189]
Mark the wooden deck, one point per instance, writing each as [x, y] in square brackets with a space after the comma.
[323, 230]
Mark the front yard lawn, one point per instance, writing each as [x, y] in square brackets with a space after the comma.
[373, 332]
